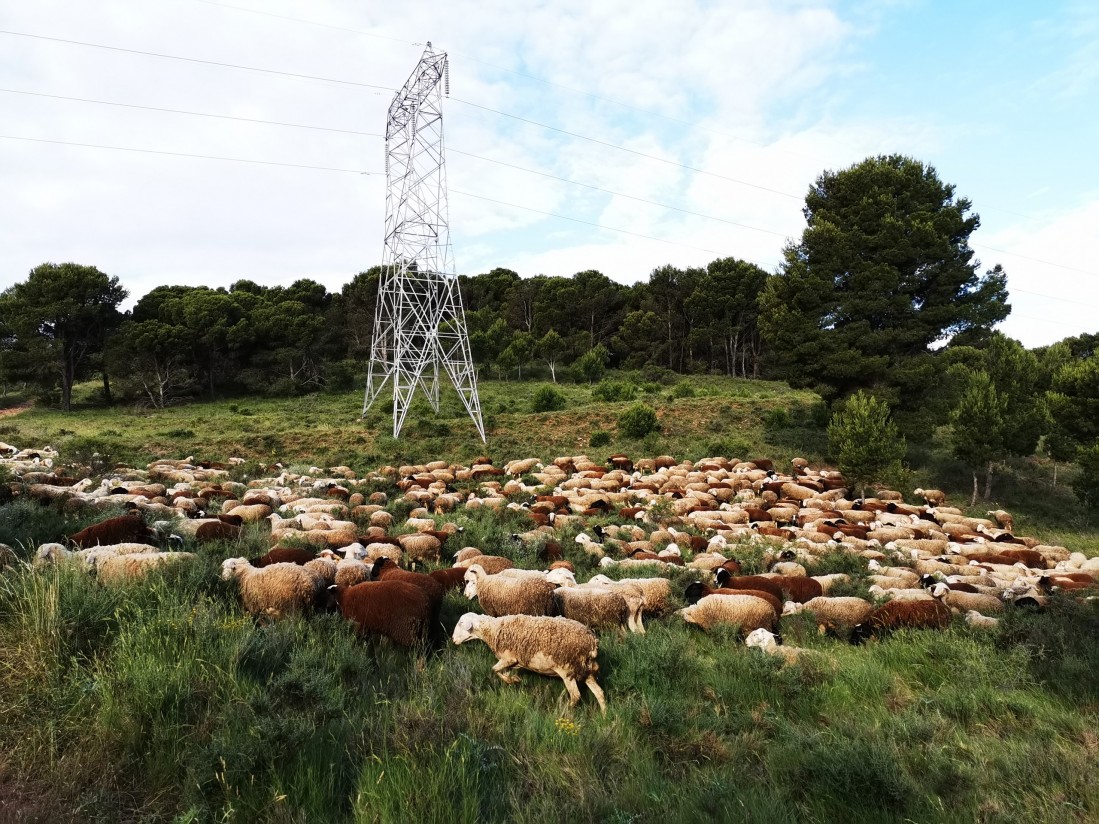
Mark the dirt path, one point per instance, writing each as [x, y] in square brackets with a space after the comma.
[15, 410]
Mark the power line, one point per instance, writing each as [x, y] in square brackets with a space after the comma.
[184, 154]
[625, 149]
[194, 114]
[197, 60]
[459, 192]
[485, 108]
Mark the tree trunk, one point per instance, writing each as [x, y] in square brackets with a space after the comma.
[1055, 474]
[973, 499]
[106, 388]
[988, 481]
[553, 370]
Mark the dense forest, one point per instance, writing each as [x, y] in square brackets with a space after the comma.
[881, 294]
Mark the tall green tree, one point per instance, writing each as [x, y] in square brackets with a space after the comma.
[62, 314]
[883, 271]
[551, 348]
[978, 429]
[864, 440]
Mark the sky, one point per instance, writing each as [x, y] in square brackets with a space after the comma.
[720, 113]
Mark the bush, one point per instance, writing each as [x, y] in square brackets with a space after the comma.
[98, 454]
[682, 390]
[638, 421]
[548, 399]
[614, 391]
[864, 440]
[600, 437]
[1086, 485]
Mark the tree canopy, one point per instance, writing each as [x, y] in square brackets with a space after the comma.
[883, 271]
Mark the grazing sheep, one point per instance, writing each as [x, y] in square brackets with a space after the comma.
[975, 619]
[932, 497]
[656, 593]
[509, 596]
[547, 646]
[964, 601]
[450, 577]
[1003, 518]
[284, 555]
[275, 590]
[118, 568]
[400, 611]
[833, 612]
[323, 566]
[697, 590]
[492, 564]
[598, 608]
[766, 641]
[8, 557]
[127, 528]
[927, 614]
[828, 581]
[746, 611]
[421, 547]
[351, 571]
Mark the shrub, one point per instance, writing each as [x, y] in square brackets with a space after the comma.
[638, 421]
[548, 399]
[864, 440]
[682, 390]
[98, 454]
[600, 437]
[1086, 485]
[614, 391]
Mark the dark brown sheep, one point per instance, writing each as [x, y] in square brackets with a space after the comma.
[397, 610]
[928, 614]
[124, 529]
[285, 555]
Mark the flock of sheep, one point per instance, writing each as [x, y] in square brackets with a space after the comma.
[335, 545]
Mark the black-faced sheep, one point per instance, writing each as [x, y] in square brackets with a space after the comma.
[926, 614]
[548, 646]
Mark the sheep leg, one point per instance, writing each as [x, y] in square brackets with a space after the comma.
[637, 623]
[597, 691]
[573, 688]
[501, 668]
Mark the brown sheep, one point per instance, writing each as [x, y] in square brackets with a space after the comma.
[400, 611]
[284, 555]
[124, 529]
[929, 614]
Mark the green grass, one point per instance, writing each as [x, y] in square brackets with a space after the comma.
[162, 701]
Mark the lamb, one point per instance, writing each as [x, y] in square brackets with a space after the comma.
[117, 567]
[509, 596]
[746, 611]
[598, 608]
[276, 590]
[548, 646]
[397, 610]
[833, 612]
[927, 614]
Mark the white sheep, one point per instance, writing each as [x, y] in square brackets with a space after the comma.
[275, 590]
[746, 611]
[547, 646]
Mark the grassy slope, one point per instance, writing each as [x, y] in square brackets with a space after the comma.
[162, 701]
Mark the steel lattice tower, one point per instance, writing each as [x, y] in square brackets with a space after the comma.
[419, 323]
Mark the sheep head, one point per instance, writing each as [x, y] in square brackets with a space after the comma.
[467, 626]
[233, 567]
[762, 638]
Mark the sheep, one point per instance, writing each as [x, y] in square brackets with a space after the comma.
[927, 614]
[746, 611]
[492, 564]
[656, 593]
[963, 601]
[932, 497]
[547, 646]
[509, 596]
[127, 528]
[828, 581]
[420, 547]
[398, 610]
[8, 557]
[351, 571]
[598, 608]
[697, 590]
[976, 619]
[449, 577]
[276, 590]
[118, 568]
[284, 555]
[1003, 518]
[833, 612]
[323, 566]
[899, 593]
[766, 641]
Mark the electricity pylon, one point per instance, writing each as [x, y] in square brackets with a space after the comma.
[419, 323]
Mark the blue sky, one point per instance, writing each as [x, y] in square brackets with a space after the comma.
[999, 97]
